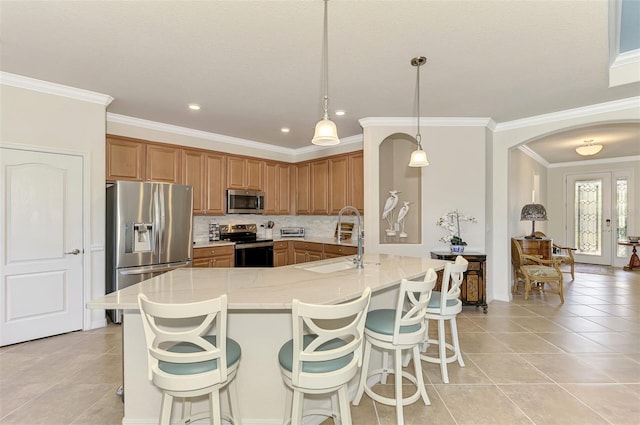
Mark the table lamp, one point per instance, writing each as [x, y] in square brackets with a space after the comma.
[533, 212]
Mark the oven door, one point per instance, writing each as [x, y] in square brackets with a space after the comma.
[254, 255]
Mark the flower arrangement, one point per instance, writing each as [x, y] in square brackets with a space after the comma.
[451, 222]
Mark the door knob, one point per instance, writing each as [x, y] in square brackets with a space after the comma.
[74, 252]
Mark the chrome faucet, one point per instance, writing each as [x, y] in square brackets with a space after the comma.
[358, 259]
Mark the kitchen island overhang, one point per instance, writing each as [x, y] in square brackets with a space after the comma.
[259, 302]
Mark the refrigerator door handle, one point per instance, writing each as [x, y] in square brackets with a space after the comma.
[156, 219]
[154, 269]
[161, 190]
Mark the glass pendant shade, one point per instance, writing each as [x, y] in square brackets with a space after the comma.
[418, 158]
[326, 133]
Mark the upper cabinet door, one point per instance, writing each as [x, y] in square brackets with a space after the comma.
[302, 188]
[356, 181]
[338, 183]
[319, 188]
[215, 183]
[270, 187]
[244, 173]
[283, 172]
[125, 159]
[192, 174]
[163, 164]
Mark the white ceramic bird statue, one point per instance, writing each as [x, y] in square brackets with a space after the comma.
[390, 203]
[403, 211]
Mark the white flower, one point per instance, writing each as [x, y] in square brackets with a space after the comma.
[450, 221]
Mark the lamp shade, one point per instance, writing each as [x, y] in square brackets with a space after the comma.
[418, 158]
[326, 133]
[533, 212]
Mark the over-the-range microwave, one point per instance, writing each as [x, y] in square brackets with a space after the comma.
[245, 201]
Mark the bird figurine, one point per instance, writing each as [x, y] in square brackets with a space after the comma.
[387, 212]
[401, 215]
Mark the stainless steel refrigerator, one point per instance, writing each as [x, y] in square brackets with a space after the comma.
[149, 232]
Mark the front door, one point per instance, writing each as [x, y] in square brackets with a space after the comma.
[590, 217]
[41, 217]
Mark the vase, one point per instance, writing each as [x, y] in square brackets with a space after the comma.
[457, 249]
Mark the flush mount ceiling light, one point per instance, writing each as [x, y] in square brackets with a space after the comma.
[588, 148]
[326, 133]
[418, 157]
[194, 107]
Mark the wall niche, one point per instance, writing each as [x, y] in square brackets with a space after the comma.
[396, 175]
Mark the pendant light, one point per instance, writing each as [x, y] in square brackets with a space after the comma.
[418, 157]
[326, 133]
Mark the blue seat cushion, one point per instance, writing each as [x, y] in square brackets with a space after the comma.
[285, 356]
[233, 354]
[434, 302]
[382, 321]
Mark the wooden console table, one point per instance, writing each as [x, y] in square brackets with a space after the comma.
[539, 247]
[473, 290]
[634, 261]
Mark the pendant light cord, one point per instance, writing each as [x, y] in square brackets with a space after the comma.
[325, 59]
[418, 136]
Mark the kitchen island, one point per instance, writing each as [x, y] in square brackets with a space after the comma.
[259, 318]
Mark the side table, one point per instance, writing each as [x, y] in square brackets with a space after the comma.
[634, 261]
[473, 290]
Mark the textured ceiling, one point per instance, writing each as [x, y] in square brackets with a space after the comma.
[255, 66]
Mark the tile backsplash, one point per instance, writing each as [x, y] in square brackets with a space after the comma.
[315, 226]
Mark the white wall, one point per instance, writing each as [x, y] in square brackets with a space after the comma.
[53, 122]
[527, 180]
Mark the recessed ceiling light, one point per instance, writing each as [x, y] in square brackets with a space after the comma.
[284, 129]
[340, 113]
[194, 107]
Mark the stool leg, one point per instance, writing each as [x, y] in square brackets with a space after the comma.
[417, 366]
[443, 351]
[397, 358]
[165, 409]
[288, 406]
[456, 342]
[214, 407]
[296, 411]
[345, 412]
[186, 408]
[385, 367]
[364, 370]
[234, 405]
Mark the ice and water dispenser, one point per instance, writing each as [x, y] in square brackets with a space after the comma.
[139, 237]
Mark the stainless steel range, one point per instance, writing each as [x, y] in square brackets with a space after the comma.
[251, 251]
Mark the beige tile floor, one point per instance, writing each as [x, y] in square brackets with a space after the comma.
[527, 362]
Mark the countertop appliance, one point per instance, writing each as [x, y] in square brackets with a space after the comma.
[245, 201]
[250, 251]
[149, 232]
[292, 232]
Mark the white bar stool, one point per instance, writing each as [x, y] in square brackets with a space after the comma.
[445, 305]
[184, 361]
[397, 330]
[323, 356]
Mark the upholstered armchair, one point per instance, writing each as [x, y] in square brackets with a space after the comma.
[533, 269]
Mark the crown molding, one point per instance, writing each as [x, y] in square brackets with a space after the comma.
[344, 141]
[540, 160]
[425, 122]
[600, 108]
[596, 161]
[28, 83]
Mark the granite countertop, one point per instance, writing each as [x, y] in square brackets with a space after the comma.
[333, 281]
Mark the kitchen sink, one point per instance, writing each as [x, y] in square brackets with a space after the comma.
[330, 268]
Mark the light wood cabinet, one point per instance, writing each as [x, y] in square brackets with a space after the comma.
[244, 173]
[125, 159]
[356, 181]
[277, 188]
[303, 252]
[217, 256]
[206, 173]
[163, 163]
[319, 187]
[280, 253]
[215, 183]
[338, 183]
[303, 183]
[333, 251]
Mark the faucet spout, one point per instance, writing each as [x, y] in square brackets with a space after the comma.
[358, 260]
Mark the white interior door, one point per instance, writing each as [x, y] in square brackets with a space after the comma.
[590, 217]
[41, 250]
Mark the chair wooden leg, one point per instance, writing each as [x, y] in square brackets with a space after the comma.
[456, 342]
[527, 288]
[234, 405]
[442, 348]
[214, 407]
[397, 370]
[572, 271]
[561, 289]
[364, 370]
